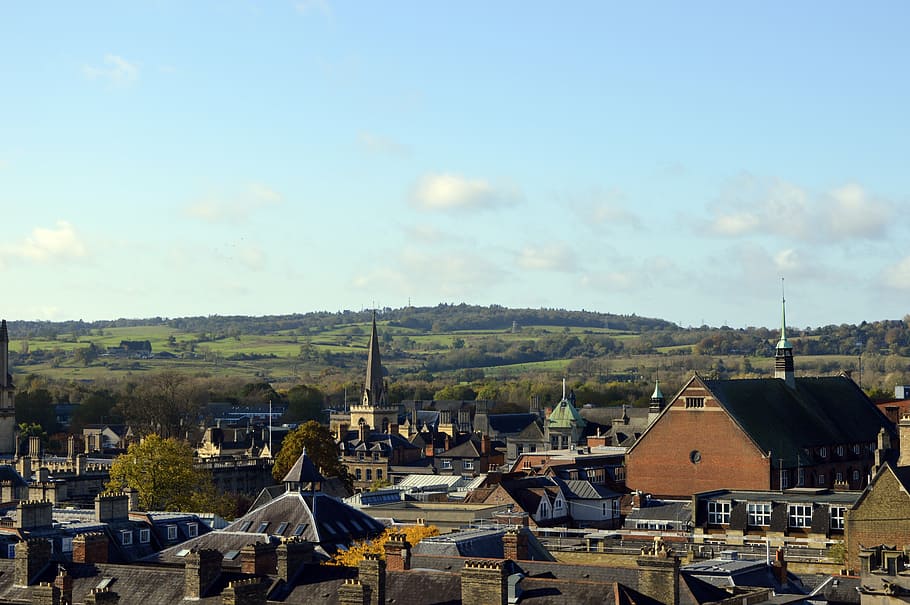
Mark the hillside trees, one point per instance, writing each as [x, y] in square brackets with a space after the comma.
[166, 404]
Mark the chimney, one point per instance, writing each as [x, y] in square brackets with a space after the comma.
[32, 557]
[484, 582]
[515, 544]
[364, 431]
[260, 559]
[343, 430]
[293, 554]
[485, 445]
[34, 447]
[904, 441]
[102, 596]
[34, 514]
[393, 429]
[372, 573]
[71, 447]
[779, 567]
[202, 569]
[132, 499]
[110, 508]
[45, 594]
[24, 467]
[398, 552]
[430, 450]
[90, 547]
[658, 573]
[64, 582]
[251, 591]
[352, 592]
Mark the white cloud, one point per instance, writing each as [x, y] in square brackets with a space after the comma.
[380, 145]
[59, 243]
[548, 257]
[754, 206]
[235, 208]
[115, 69]
[634, 274]
[454, 192]
[897, 276]
[599, 208]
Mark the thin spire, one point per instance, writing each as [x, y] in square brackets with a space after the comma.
[783, 343]
[4, 334]
[373, 385]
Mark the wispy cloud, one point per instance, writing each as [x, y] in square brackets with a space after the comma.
[234, 208]
[45, 245]
[114, 69]
[600, 208]
[456, 192]
[756, 206]
[547, 257]
[380, 145]
[633, 275]
[311, 7]
[897, 276]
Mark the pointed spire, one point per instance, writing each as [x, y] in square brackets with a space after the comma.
[783, 343]
[783, 356]
[374, 387]
[657, 395]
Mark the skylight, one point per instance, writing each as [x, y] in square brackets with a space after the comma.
[281, 528]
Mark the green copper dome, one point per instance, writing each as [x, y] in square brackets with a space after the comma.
[565, 416]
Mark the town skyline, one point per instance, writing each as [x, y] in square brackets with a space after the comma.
[245, 158]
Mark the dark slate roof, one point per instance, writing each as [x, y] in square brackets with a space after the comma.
[532, 432]
[478, 543]
[468, 449]
[510, 423]
[663, 510]
[837, 590]
[784, 421]
[303, 471]
[575, 489]
[8, 473]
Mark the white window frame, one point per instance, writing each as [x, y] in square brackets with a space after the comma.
[820, 480]
[192, 530]
[856, 474]
[837, 517]
[171, 532]
[719, 512]
[759, 514]
[445, 463]
[126, 537]
[799, 516]
[467, 465]
[145, 536]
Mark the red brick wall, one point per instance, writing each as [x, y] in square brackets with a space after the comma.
[660, 463]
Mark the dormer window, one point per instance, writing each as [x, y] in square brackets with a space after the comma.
[192, 529]
[171, 532]
[126, 537]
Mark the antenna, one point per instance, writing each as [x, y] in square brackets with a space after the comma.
[271, 453]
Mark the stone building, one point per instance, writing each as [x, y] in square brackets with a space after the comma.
[7, 400]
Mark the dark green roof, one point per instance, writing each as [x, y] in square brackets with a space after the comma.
[819, 411]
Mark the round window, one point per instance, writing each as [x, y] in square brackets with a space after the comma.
[695, 456]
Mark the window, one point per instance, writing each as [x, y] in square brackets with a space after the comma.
[718, 512]
[172, 532]
[839, 477]
[369, 474]
[695, 402]
[299, 529]
[821, 479]
[840, 450]
[66, 544]
[360, 456]
[526, 463]
[358, 474]
[145, 536]
[10, 551]
[856, 449]
[784, 479]
[467, 465]
[262, 527]
[445, 462]
[283, 526]
[126, 537]
[856, 475]
[759, 513]
[799, 515]
[379, 473]
[823, 452]
[192, 529]
[605, 509]
[837, 517]
[557, 504]
[801, 477]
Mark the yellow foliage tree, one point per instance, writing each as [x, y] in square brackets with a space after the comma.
[353, 555]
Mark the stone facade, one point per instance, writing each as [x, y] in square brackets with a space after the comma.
[881, 515]
[484, 582]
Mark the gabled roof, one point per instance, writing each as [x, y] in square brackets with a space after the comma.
[510, 423]
[784, 421]
[531, 432]
[575, 489]
[468, 449]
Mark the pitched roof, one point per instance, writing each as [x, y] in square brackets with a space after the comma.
[784, 421]
[468, 449]
[565, 416]
[303, 471]
[480, 543]
[510, 423]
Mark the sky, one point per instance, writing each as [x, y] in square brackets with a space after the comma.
[667, 159]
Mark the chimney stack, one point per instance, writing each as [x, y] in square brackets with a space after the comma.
[371, 571]
[259, 559]
[364, 431]
[90, 547]
[484, 582]
[515, 544]
[904, 441]
[353, 592]
[398, 553]
[251, 591]
[32, 557]
[658, 573]
[102, 596]
[202, 569]
[779, 567]
[293, 554]
[64, 582]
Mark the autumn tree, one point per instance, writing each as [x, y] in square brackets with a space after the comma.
[353, 555]
[320, 448]
[162, 472]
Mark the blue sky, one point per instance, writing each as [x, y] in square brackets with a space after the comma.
[672, 160]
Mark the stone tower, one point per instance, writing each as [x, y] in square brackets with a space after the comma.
[7, 402]
[374, 409]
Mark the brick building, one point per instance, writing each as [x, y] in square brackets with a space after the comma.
[759, 434]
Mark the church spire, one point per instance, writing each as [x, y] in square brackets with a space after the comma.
[5, 379]
[783, 356]
[374, 387]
